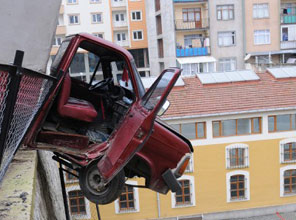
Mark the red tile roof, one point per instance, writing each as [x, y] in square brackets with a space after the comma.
[195, 99]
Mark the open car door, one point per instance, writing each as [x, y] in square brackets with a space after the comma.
[137, 126]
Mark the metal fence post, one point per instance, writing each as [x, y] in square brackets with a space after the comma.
[64, 191]
[13, 88]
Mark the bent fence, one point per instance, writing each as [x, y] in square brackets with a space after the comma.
[22, 94]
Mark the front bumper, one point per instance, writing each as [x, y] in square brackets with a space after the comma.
[170, 175]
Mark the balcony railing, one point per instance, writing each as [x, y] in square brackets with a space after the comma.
[288, 19]
[191, 25]
[118, 3]
[288, 44]
[191, 52]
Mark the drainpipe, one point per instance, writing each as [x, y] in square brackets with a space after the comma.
[158, 205]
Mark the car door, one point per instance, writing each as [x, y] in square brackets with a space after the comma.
[137, 126]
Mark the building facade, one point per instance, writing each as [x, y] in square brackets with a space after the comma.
[120, 21]
[227, 36]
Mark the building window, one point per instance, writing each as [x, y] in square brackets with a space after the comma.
[158, 25]
[157, 5]
[227, 64]
[160, 48]
[72, 1]
[189, 168]
[238, 186]
[237, 156]
[95, 1]
[288, 150]
[261, 37]
[226, 39]
[281, 122]
[101, 35]
[128, 201]
[191, 14]
[137, 35]
[121, 37]
[136, 15]
[288, 180]
[234, 127]
[186, 197]
[225, 12]
[260, 11]
[77, 202]
[57, 41]
[192, 130]
[73, 19]
[119, 17]
[97, 18]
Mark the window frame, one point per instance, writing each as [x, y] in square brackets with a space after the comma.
[224, 61]
[192, 193]
[282, 150]
[190, 10]
[246, 160]
[233, 35]
[78, 19]
[265, 34]
[95, 14]
[221, 11]
[86, 201]
[282, 179]
[257, 9]
[72, 3]
[236, 127]
[136, 200]
[275, 123]
[246, 186]
[121, 34]
[196, 129]
[95, 1]
[138, 31]
[136, 11]
[97, 33]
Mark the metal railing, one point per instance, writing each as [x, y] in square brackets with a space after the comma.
[180, 24]
[22, 94]
[288, 19]
[194, 51]
[288, 44]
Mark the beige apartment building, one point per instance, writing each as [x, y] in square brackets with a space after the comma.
[270, 31]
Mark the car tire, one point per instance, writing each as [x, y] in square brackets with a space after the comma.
[88, 178]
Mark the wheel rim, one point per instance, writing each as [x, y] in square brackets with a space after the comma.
[93, 181]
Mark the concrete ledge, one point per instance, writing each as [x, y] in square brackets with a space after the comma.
[17, 188]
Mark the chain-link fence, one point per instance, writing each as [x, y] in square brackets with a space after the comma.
[22, 94]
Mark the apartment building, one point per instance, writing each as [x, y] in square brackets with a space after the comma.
[188, 44]
[226, 34]
[120, 21]
[288, 30]
[262, 30]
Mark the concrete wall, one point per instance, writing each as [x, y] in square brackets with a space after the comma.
[169, 42]
[29, 26]
[236, 25]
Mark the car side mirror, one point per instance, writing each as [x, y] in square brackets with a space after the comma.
[164, 108]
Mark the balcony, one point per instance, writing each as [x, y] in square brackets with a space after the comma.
[118, 5]
[191, 25]
[288, 19]
[189, 1]
[288, 45]
[191, 52]
[61, 30]
[62, 10]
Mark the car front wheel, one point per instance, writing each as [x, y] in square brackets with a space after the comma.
[94, 190]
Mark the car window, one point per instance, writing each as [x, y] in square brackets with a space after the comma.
[83, 66]
[121, 75]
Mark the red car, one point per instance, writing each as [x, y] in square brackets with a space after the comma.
[105, 124]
